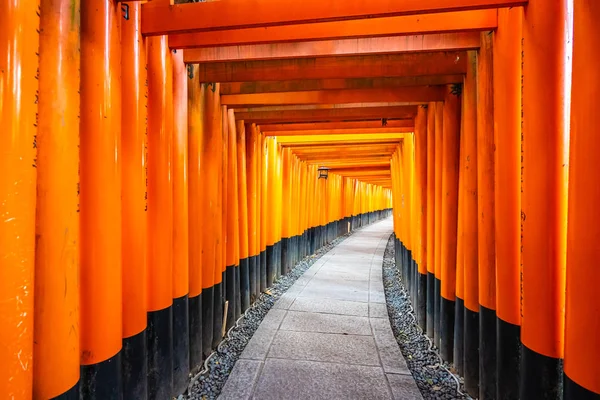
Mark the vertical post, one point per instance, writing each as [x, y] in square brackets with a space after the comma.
[160, 219]
[56, 341]
[470, 247]
[263, 209]
[134, 201]
[486, 217]
[19, 40]
[582, 336]
[544, 198]
[431, 198]
[181, 343]
[232, 261]
[270, 146]
[100, 201]
[450, 162]
[439, 112]
[196, 192]
[253, 212]
[220, 291]
[507, 191]
[287, 217]
[243, 211]
[421, 217]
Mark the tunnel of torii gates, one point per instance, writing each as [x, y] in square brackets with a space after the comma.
[159, 169]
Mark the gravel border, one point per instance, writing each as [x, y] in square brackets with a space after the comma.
[431, 374]
[210, 381]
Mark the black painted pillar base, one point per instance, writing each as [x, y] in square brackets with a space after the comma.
[238, 293]
[437, 312]
[134, 366]
[195, 324]
[244, 281]
[181, 345]
[263, 270]
[207, 304]
[160, 354]
[447, 308]
[287, 250]
[471, 352]
[487, 353]
[573, 391]
[230, 295]
[430, 303]
[271, 273]
[508, 360]
[102, 381]
[219, 304]
[459, 337]
[277, 254]
[541, 376]
[422, 300]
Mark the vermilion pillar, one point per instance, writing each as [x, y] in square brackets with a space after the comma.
[431, 111]
[421, 213]
[582, 334]
[181, 342]
[450, 161]
[232, 256]
[160, 219]
[263, 209]
[507, 138]
[544, 198]
[100, 305]
[221, 228]
[486, 220]
[253, 209]
[134, 202]
[243, 212]
[459, 307]
[196, 188]
[439, 110]
[56, 322]
[470, 247]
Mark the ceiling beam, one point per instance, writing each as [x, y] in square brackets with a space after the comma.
[338, 131]
[461, 21]
[331, 84]
[333, 114]
[342, 47]
[312, 126]
[159, 18]
[409, 64]
[410, 95]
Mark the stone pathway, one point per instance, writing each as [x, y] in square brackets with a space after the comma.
[328, 336]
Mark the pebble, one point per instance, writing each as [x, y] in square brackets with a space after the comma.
[209, 383]
[431, 375]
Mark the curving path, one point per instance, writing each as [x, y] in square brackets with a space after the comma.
[328, 336]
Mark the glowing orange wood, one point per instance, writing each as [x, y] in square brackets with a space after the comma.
[340, 131]
[332, 126]
[408, 94]
[330, 84]
[360, 113]
[343, 47]
[159, 18]
[371, 66]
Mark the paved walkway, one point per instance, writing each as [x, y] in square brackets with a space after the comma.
[328, 336]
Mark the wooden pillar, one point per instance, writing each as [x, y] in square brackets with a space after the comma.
[253, 211]
[160, 219]
[181, 341]
[486, 220]
[243, 211]
[134, 228]
[220, 291]
[582, 333]
[287, 224]
[439, 112]
[196, 193]
[56, 288]
[507, 191]
[431, 111]
[470, 247]
[101, 305]
[421, 213]
[264, 217]
[544, 198]
[233, 260]
[450, 163]
[211, 148]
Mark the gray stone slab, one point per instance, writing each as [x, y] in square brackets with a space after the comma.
[326, 323]
[389, 352]
[348, 349]
[331, 306]
[241, 381]
[273, 319]
[336, 292]
[378, 310]
[343, 274]
[293, 380]
[258, 346]
[376, 297]
[404, 387]
[284, 302]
